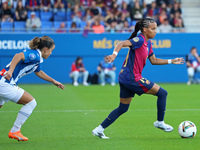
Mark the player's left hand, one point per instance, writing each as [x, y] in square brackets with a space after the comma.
[59, 85]
[178, 61]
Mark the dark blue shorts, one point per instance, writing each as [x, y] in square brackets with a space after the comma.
[139, 87]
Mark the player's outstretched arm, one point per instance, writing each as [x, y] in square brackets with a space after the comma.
[44, 76]
[158, 61]
[16, 59]
[117, 48]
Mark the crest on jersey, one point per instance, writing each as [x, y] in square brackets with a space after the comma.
[136, 39]
[147, 82]
[32, 56]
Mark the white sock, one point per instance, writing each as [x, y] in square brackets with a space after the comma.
[160, 122]
[23, 115]
[100, 128]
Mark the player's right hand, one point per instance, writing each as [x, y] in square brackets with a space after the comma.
[110, 58]
[8, 75]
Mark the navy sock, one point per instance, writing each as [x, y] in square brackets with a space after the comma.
[114, 115]
[161, 104]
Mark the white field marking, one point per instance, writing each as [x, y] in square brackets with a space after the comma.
[58, 111]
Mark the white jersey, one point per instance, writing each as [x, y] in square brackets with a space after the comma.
[31, 63]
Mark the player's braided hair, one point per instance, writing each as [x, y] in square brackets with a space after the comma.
[39, 43]
[140, 25]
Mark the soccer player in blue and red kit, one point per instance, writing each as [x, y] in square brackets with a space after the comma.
[130, 79]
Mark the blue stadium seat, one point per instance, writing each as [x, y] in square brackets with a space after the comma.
[56, 24]
[37, 14]
[68, 16]
[20, 26]
[59, 16]
[82, 24]
[47, 26]
[46, 16]
[6, 26]
[68, 24]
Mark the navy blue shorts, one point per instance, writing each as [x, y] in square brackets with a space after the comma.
[140, 87]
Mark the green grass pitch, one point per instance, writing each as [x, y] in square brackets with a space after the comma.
[64, 119]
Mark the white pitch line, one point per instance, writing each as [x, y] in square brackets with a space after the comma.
[49, 111]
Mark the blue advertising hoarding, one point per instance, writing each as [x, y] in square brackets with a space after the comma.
[94, 47]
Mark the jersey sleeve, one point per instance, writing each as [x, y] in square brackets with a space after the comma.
[136, 42]
[38, 68]
[31, 56]
[150, 50]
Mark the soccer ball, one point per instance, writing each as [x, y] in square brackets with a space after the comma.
[187, 129]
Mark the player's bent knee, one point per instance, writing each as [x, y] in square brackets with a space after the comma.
[165, 93]
[162, 93]
[33, 103]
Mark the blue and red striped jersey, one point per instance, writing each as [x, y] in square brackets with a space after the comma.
[135, 60]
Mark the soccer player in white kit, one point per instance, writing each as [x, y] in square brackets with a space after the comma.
[22, 64]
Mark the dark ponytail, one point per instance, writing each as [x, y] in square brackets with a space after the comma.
[39, 43]
[140, 25]
[137, 28]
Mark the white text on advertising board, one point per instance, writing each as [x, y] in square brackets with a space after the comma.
[13, 45]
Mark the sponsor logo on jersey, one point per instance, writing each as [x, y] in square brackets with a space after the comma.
[136, 39]
[32, 56]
